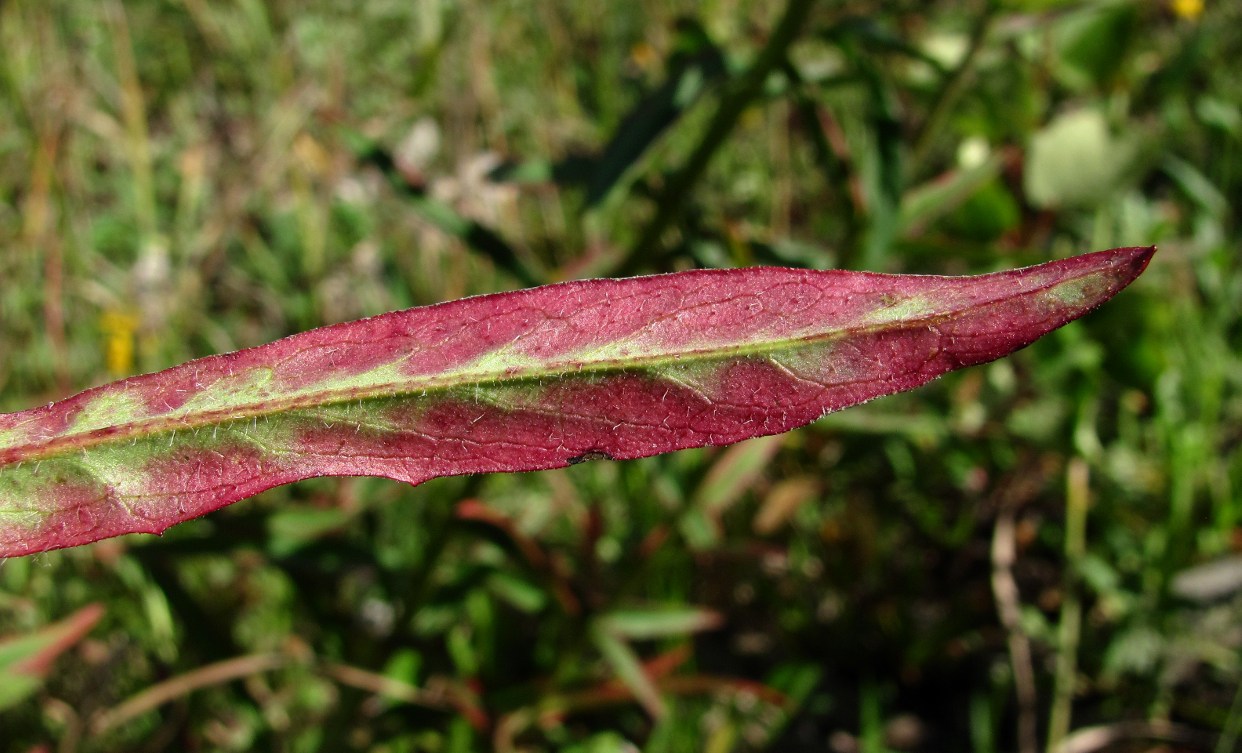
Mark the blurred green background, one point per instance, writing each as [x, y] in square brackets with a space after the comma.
[1038, 554]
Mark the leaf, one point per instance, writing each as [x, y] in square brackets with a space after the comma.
[629, 670]
[533, 379]
[780, 504]
[695, 65]
[926, 203]
[1075, 162]
[731, 475]
[658, 622]
[1093, 43]
[25, 660]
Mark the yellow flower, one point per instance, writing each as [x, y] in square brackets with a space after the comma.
[644, 56]
[118, 330]
[1188, 9]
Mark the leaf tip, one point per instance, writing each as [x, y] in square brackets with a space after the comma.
[1129, 262]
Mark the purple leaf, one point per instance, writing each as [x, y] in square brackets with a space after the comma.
[520, 381]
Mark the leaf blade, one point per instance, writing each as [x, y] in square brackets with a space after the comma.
[519, 381]
[26, 660]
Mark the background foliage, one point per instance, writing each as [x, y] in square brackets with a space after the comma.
[1039, 553]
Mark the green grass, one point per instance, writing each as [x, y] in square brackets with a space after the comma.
[185, 178]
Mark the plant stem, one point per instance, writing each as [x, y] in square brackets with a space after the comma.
[1005, 589]
[1076, 500]
[737, 97]
[1233, 725]
[952, 89]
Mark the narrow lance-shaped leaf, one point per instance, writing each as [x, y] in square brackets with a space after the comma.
[533, 379]
[25, 660]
